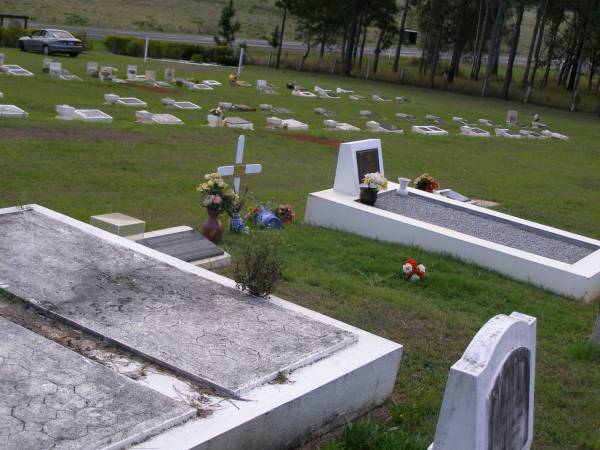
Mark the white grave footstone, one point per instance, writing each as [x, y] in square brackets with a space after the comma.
[146, 117]
[306, 94]
[474, 131]
[286, 124]
[11, 111]
[429, 130]
[555, 135]
[489, 397]
[238, 122]
[512, 117]
[131, 101]
[487, 122]
[239, 169]
[211, 83]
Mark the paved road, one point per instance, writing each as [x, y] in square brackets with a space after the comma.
[99, 33]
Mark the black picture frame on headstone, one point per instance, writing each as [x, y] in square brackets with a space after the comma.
[367, 161]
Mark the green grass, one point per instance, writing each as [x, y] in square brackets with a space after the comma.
[151, 172]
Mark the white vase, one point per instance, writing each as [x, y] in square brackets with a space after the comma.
[403, 189]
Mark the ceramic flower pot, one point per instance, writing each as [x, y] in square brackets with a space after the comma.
[236, 224]
[403, 188]
[267, 219]
[213, 228]
[368, 196]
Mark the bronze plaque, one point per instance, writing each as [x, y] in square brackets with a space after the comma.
[509, 403]
[367, 161]
[239, 170]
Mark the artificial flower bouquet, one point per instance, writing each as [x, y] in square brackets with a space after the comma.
[413, 271]
[217, 195]
[427, 183]
[286, 213]
[375, 181]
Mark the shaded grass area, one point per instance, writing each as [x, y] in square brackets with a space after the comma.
[151, 172]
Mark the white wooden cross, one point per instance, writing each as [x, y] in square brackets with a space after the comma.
[239, 169]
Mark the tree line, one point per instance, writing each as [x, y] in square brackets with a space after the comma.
[564, 44]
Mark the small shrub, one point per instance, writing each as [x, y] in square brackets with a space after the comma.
[76, 19]
[197, 58]
[117, 44]
[135, 47]
[9, 36]
[85, 41]
[586, 351]
[260, 265]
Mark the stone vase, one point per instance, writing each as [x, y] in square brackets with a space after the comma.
[213, 228]
[403, 189]
[368, 196]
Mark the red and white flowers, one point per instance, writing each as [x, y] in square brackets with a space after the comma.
[413, 270]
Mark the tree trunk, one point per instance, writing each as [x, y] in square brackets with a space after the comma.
[362, 44]
[533, 40]
[435, 54]
[494, 43]
[596, 334]
[477, 58]
[378, 49]
[550, 54]
[538, 46]
[347, 65]
[281, 38]
[362, 31]
[586, 31]
[401, 35]
[514, 44]
[306, 53]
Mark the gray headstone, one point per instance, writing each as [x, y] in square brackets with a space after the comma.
[488, 402]
[186, 245]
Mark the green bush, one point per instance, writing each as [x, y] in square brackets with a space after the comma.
[259, 267]
[9, 36]
[117, 44]
[85, 41]
[130, 46]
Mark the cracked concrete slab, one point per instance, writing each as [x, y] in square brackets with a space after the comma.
[54, 398]
[199, 328]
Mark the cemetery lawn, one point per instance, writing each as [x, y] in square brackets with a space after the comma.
[150, 172]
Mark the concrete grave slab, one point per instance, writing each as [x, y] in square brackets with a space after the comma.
[171, 240]
[12, 111]
[15, 70]
[120, 224]
[429, 130]
[55, 398]
[238, 122]
[131, 101]
[467, 130]
[565, 263]
[146, 117]
[207, 332]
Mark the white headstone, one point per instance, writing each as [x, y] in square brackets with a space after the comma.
[92, 69]
[512, 117]
[169, 74]
[1, 59]
[239, 169]
[55, 69]
[488, 402]
[46, 64]
[355, 159]
[106, 73]
[150, 75]
[131, 73]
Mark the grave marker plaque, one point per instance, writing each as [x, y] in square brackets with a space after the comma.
[509, 404]
[367, 161]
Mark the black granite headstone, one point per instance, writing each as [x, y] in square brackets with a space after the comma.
[367, 161]
[185, 245]
[509, 403]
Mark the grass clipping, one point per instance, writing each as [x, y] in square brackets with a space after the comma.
[259, 267]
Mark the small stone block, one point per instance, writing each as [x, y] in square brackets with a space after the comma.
[120, 224]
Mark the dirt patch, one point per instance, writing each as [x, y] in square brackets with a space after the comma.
[311, 139]
[144, 87]
[79, 133]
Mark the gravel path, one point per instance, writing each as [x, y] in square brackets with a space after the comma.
[485, 227]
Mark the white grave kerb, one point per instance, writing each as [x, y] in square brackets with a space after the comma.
[355, 159]
[489, 397]
[239, 169]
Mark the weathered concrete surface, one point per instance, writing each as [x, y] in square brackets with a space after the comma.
[54, 398]
[204, 330]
